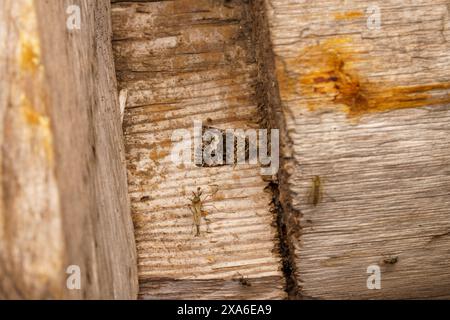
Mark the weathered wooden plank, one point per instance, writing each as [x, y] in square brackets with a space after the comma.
[181, 61]
[63, 194]
[225, 289]
[366, 112]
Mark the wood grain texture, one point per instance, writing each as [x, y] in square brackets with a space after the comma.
[180, 61]
[63, 194]
[212, 289]
[367, 111]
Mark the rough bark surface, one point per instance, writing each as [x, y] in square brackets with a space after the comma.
[63, 192]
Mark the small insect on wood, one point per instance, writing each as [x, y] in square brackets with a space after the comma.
[391, 260]
[198, 212]
[316, 191]
[244, 281]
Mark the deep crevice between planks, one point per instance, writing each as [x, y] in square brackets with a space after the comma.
[269, 103]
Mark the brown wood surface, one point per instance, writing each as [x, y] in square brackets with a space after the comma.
[180, 61]
[366, 112]
[63, 194]
[365, 149]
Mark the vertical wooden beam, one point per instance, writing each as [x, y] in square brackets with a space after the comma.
[63, 194]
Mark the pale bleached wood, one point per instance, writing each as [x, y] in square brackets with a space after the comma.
[63, 194]
[180, 61]
[386, 175]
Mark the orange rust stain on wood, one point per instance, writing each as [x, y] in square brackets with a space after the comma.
[31, 116]
[156, 155]
[236, 177]
[165, 143]
[29, 55]
[348, 15]
[324, 75]
[40, 124]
